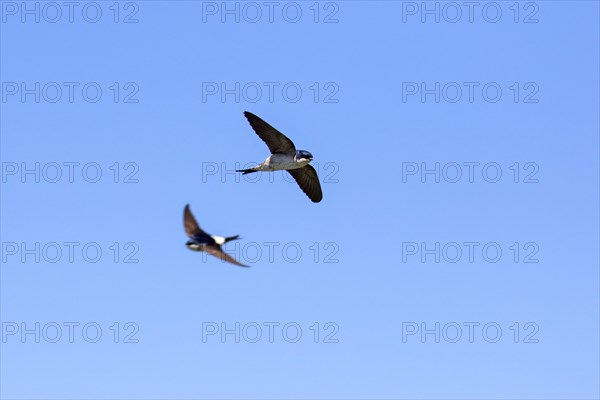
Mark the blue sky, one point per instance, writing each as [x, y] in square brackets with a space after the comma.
[422, 273]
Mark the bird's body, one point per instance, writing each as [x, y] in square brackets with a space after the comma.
[199, 242]
[202, 241]
[279, 162]
[284, 156]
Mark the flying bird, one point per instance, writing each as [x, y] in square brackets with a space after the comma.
[202, 241]
[284, 156]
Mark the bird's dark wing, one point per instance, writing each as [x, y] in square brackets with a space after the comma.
[189, 223]
[217, 251]
[307, 179]
[275, 140]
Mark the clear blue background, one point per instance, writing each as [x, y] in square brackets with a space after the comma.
[369, 213]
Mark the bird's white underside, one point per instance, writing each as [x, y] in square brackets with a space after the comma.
[195, 246]
[278, 162]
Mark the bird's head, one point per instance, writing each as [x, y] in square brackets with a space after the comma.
[193, 245]
[303, 156]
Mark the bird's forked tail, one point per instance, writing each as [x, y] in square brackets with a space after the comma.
[247, 171]
[230, 238]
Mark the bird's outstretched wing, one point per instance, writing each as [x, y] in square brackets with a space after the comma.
[217, 251]
[308, 180]
[275, 140]
[189, 222]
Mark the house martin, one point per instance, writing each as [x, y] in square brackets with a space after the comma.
[202, 241]
[284, 156]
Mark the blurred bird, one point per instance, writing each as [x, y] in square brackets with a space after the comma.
[202, 241]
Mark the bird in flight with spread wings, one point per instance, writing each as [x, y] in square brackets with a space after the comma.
[202, 241]
[284, 156]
